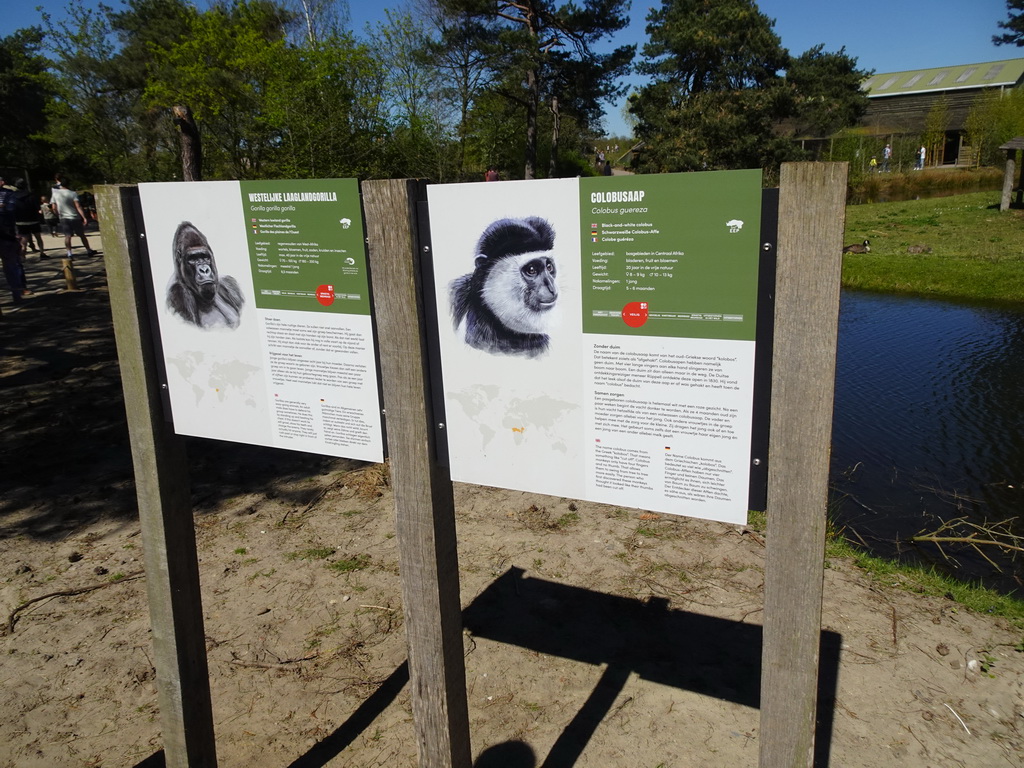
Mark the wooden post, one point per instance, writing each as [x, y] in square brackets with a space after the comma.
[424, 504]
[811, 217]
[70, 283]
[1020, 182]
[1008, 174]
[165, 509]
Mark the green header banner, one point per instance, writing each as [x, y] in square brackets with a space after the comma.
[307, 245]
[671, 254]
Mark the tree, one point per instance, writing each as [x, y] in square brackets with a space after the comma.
[466, 57]
[530, 31]
[26, 89]
[717, 92]
[1015, 25]
[935, 125]
[993, 120]
[827, 91]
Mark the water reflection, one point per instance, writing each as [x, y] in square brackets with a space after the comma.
[860, 196]
[928, 420]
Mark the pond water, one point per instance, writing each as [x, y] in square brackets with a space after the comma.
[929, 425]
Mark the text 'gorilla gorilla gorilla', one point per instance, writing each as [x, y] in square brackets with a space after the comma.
[504, 305]
[196, 293]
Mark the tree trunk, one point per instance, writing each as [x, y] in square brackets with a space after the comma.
[532, 100]
[556, 119]
[191, 147]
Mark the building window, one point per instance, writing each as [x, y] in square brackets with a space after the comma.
[995, 70]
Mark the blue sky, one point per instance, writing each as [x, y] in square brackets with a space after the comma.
[884, 35]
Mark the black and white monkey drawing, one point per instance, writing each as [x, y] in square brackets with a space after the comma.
[504, 306]
[197, 293]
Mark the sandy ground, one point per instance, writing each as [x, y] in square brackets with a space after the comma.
[595, 636]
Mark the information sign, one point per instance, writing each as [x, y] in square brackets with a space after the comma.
[264, 312]
[597, 336]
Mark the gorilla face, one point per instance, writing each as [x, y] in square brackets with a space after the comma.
[196, 267]
[198, 293]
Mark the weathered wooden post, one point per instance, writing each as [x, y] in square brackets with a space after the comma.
[424, 504]
[811, 218]
[70, 283]
[1011, 148]
[165, 509]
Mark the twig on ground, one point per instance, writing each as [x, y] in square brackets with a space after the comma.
[13, 618]
[316, 500]
[975, 535]
[273, 665]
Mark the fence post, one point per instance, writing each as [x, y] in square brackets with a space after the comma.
[812, 198]
[165, 509]
[424, 504]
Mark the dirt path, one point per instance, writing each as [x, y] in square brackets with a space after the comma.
[595, 636]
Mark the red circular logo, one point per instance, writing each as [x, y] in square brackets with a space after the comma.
[634, 314]
[325, 295]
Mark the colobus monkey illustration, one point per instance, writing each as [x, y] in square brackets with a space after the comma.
[196, 292]
[504, 305]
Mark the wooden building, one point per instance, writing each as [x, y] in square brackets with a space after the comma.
[899, 102]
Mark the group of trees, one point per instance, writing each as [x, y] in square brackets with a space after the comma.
[281, 88]
[725, 93]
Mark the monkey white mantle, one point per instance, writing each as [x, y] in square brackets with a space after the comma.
[597, 336]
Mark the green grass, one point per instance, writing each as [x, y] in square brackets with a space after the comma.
[920, 579]
[348, 564]
[977, 251]
[319, 553]
[925, 580]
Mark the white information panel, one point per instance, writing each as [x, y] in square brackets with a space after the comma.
[264, 312]
[597, 336]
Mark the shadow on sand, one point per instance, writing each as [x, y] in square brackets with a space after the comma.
[703, 654]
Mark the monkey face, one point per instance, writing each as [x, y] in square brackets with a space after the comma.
[539, 277]
[196, 266]
[520, 290]
[199, 263]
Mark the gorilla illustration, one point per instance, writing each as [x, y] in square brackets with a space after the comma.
[196, 292]
[504, 305]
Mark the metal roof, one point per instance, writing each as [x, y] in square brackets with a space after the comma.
[989, 74]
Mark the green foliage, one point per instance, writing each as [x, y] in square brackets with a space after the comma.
[827, 90]
[541, 52]
[1014, 24]
[935, 125]
[25, 89]
[994, 119]
[718, 96]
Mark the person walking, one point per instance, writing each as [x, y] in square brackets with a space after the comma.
[72, 215]
[49, 215]
[886, 157]
[27, 219]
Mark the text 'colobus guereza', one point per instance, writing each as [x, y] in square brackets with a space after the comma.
[504, 305]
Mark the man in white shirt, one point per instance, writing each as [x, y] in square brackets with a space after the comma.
[71, 214]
